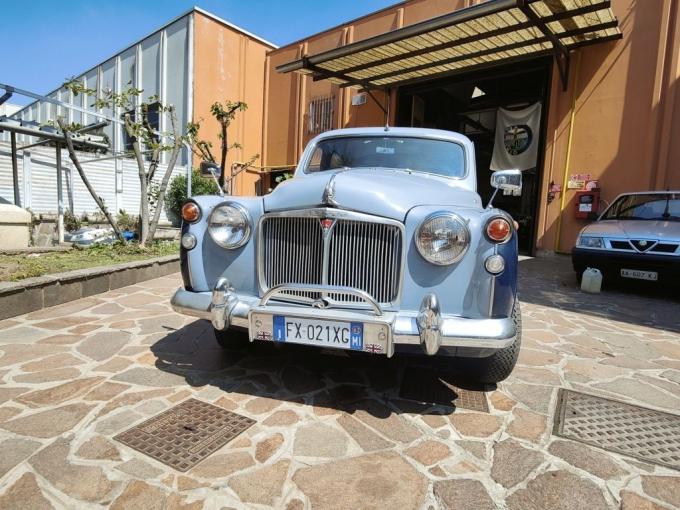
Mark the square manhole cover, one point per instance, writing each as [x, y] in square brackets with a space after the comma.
[184, 435]
[648, 435]
[437, 387]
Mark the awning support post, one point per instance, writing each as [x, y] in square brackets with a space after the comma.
[60, 198]
[560, 52]
[15, 169]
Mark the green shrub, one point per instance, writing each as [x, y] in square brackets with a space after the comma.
[177, 191]
[71, 221]
[127, 221]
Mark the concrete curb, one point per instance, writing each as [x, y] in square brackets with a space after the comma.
[17, 298]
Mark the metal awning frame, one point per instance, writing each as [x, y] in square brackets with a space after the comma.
[559, 51]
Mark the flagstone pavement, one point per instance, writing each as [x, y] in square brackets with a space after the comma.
[330, 431]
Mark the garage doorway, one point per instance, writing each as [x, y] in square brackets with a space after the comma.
[468, 104]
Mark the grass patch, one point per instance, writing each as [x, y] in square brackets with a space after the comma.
[18, 267]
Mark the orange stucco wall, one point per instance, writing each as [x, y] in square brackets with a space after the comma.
[627, 105]
[229, 65]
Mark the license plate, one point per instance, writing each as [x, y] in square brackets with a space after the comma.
[640, 275]
[322, 333]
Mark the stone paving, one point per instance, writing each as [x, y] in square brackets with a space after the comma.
[331, 430]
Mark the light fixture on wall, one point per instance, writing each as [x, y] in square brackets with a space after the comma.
[477, 92]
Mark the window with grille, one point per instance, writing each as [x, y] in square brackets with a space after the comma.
[320, 114]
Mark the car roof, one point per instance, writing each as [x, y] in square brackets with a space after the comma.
[651, 192]
[397, 131]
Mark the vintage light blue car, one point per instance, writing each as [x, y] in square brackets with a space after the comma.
[379, 244]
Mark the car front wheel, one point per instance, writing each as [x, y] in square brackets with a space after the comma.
[500, 364]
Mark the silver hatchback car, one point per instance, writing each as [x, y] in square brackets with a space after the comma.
[637, 237]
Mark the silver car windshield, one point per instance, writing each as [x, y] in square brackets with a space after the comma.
[439, 157]
[646, 206]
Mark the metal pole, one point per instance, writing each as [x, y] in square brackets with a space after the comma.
[15, 169]
[60, 199]
[189, 172]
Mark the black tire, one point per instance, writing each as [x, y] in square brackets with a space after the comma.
[230, 338]
[500, 364]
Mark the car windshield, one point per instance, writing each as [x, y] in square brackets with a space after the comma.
[439, 157]
[647, 206]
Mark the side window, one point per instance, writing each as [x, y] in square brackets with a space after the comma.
[315, 161]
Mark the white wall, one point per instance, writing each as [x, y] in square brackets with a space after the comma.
[38, 181]
[9, 108]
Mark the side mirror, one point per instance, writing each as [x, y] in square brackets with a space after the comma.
[210, 169]
[507, 180]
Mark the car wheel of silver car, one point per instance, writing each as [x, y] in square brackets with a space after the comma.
[230, 338]
[499, 365]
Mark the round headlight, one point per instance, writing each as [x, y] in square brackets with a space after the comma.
[229, 226]
[443, 238]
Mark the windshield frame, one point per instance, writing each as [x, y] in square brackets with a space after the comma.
[311, 148]
[624, 195]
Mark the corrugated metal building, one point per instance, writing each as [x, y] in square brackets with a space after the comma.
[165, 64]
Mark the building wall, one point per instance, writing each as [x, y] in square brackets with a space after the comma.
[288, 95]
[626, 114]
[229, 65]
[627, 105]
[158, 64]
[116, 181]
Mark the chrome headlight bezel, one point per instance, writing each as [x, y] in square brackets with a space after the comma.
[591, 242]
[463, 231]
[246, 225]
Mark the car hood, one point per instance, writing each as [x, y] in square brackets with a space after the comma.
[380, 192]
[635, 229]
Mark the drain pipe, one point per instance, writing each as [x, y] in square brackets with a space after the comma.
[567, 163]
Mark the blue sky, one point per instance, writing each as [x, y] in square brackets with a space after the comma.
[43, 41]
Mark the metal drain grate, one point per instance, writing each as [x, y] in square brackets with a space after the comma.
[436, 387]
[184, 435]
[645, 434]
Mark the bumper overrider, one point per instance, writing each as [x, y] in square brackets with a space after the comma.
[382, 330]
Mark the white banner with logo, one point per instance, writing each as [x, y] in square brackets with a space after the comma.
[516, 142]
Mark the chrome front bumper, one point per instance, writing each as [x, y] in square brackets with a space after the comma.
[428, 327]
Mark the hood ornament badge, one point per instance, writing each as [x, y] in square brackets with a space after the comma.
[326, 224]
[328, 197]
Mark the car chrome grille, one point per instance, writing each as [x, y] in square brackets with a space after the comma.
[364, 255]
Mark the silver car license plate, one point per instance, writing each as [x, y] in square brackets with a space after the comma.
[640, 275]
[322, 333]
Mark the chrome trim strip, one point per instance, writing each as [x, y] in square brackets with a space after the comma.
[323, 289]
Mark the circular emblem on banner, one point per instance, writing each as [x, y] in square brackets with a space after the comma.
[517, 139]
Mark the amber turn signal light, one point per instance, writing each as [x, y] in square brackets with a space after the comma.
[498, 230]
[191, 212]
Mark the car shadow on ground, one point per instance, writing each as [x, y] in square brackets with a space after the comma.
[325, 379]
[551, 282]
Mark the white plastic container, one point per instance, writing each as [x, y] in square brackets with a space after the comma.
[591, 281]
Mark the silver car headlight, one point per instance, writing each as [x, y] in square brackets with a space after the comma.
[229, 225]
[443, 238]
[590, 242]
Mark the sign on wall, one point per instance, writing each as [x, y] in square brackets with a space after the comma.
[516, 139]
